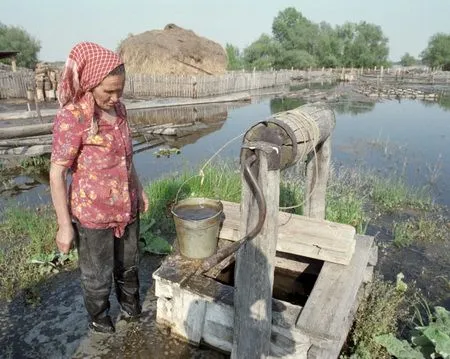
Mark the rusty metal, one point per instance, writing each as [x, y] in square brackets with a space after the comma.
[275, 136]
[230, 249]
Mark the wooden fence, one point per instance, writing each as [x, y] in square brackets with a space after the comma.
[15, 84]
[144, 86]
[139, 85]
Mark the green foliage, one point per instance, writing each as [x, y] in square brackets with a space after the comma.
[390, 194]
[428, 341]
[437, 52]
[295, 32]
[300, 43]
[262, 54]
[346, 206]
[363, 45]
[53, 261]
[235, 60]
[151, 241]
[408, 60]
[377, 314]
[421, 229]
[25, 235]
[221, 182]
[14, 38]
[346, 198]
[167, 152]
[296, 59]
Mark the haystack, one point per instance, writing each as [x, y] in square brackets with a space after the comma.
[173, 50]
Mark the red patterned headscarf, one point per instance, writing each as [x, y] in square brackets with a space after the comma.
[86, 67]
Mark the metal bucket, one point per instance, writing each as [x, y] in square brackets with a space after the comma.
[197, 223]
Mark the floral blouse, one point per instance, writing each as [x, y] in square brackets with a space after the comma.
[103, 192]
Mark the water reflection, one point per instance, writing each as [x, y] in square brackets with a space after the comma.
[353, 107]
[281, 104]
[191, 123]
[443, 102]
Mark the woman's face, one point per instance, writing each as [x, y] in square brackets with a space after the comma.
[110, 90]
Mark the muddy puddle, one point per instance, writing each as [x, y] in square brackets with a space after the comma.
[56, 327]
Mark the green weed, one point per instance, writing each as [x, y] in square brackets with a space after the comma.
[378, 313]
[391, 194]
[347, 199]
[26, 240]
[414, 230]
[430, 340]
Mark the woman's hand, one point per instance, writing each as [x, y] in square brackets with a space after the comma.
[143, 201]
[64, 238]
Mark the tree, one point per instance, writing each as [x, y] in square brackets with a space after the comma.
[437, 52]
[297, 59]
[329, 46]
[14, 38]
[294, 31]
[235, 61]
[364, 45]
[262, 54]
[408, 60]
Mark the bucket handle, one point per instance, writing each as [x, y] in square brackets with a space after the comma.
[262, 206]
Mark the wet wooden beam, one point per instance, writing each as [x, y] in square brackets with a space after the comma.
[255, 264]
[327, 315]
[300, 235]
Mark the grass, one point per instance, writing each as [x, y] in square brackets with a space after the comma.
[379, 312]
[223, 182]
[416, 230]
[218, 182]
[347, 199]
[393, 193]
[25, 234]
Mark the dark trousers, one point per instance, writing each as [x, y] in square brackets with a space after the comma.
[103, 257]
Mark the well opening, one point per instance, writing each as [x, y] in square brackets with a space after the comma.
[294, 277]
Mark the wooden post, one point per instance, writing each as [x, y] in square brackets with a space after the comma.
[317, 171]
[13, 64]
[255, 266]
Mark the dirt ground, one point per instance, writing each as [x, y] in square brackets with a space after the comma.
[57, 327]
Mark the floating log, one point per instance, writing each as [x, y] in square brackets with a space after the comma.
[37, 140]
[26, 131]
[27, 151]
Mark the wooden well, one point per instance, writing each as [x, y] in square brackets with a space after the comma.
[259, 314]
[314, 299]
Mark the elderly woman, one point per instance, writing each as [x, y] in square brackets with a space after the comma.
[91, 137]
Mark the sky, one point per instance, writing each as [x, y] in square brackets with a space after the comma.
[60, 24]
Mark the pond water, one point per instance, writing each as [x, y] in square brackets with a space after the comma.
[408, 138]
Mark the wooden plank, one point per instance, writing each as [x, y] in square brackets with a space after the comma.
[317, 172]
[300, 235]
[255, 265]
[327, 315]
